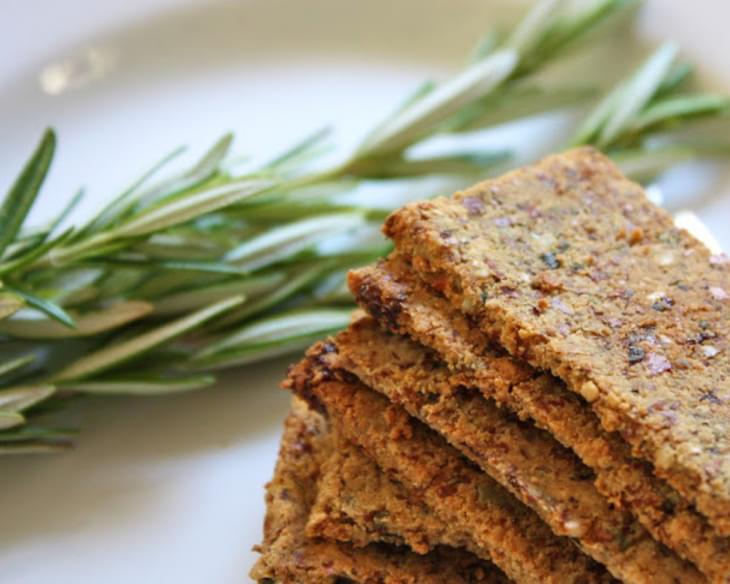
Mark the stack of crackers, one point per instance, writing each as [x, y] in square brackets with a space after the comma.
[537, 390]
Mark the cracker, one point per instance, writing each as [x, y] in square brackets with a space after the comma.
[515, 538]
[359, 504]
[289, 557]
[569, 266]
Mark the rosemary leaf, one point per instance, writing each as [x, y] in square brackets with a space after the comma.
[154, 285]
[589, 130]
[88, 324]
[575, 25]
[115, 354]
[637, 92]
[177, 248]
[301, 152]
[429, 111]
[472, 163]
[47, 307]
[37, 251]
[247, 287]
[10, 420]
[65, 212]
[200, 266]
[680, 107]
[531, 30]
[72, 284]
[675, 78]
[288, 211]
[202, 170]
[272, 336]
[140, 386]
[95, 246]
[16, 364]
[513, 104]
[25, 240]
[24, 191]
[281, 327]
[124, 282]
[422, 90]
[294, 283]
[334, 291]
[187, 208]
[159, 218]
[18, 399]
[112, 211]
[281, 242]
[264, 351]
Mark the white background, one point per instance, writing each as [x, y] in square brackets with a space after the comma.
[171, 489]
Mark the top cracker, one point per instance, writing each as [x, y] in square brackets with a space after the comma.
[569, 266]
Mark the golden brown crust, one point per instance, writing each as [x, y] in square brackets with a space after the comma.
[406, 306]
[571, 268]
[288, 557]
[526, 461]
[516, 539]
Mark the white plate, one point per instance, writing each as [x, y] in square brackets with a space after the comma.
[171, 489]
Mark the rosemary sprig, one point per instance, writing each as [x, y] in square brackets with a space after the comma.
[207, 269]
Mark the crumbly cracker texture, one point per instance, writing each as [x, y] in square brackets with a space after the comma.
[569, 266]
